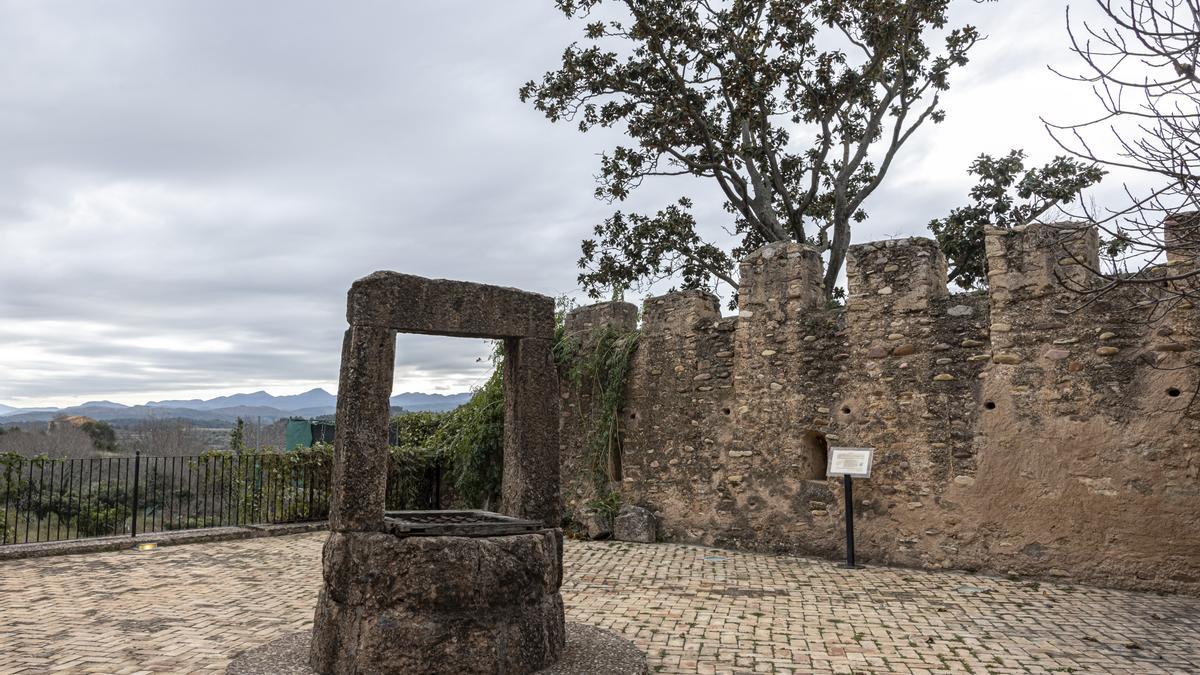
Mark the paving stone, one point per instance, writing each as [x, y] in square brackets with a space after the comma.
[190, 609]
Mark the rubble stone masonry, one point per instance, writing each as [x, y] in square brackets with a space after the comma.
[1016, 431]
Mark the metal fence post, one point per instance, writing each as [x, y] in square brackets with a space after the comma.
[137, 465]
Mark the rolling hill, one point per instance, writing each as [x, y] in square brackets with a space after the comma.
[226, 409]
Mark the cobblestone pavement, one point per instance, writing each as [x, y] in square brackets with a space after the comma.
[190, 608]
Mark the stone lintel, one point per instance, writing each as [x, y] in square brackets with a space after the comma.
[412, 304]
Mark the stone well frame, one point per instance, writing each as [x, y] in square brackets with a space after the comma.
[386, 303]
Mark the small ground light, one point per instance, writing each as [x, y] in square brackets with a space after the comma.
[146, 547]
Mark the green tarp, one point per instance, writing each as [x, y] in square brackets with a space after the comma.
[298, 435]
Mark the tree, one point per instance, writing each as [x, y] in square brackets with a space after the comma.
[168, 438]
[1142, 65]
[795, 109]
[1142, 68]
[104, 438]
[1001, 200]
[237, 437]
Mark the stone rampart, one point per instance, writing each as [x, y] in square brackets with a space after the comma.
[1015, 431]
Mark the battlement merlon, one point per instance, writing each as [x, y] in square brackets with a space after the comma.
[898, 275]
[1181, 237]
[1038, 260]
[582, 322]
[781, 272]
[679, 312]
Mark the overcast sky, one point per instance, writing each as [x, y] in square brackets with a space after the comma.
[187, 189]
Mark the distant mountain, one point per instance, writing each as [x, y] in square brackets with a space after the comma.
[314, 398]
[132, 414]
[102, 404]
[226, 409]
[418, 402]
[7, 411]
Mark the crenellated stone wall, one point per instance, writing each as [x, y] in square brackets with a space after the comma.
[1015, 431]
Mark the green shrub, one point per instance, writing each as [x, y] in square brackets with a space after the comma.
[100, 520]
[417, 428]
[411, 476]
[607, 505]
[472, 440]
[189, 523]
[257, 485]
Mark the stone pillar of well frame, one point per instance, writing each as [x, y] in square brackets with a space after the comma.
[442, 592]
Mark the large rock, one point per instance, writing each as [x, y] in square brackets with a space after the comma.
[635, 523]
[597, 526]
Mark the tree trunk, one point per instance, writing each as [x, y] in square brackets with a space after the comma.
[837, 252]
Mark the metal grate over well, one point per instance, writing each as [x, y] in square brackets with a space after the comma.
[456, 524]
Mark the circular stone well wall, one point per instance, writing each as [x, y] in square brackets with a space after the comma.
[439, 604]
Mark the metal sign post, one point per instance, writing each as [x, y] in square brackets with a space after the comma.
[848, 484]
[850, 463]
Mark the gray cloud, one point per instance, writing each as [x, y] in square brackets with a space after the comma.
[188, 189]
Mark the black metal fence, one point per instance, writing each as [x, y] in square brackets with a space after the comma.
[57, 499]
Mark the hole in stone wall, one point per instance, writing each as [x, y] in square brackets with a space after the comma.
[814, 455]
[990, 405]
[1173, 392]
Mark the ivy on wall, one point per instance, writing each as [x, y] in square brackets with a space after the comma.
[598, 368]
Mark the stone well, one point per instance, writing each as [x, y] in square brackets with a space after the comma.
[442, 591]
[406, 602]
[454, 592]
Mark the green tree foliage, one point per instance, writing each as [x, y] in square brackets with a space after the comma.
[416, 428]
[237, 437]
[102, 434]
[468, 442]
[414, 456]
[1006, 196]
[795, 109]
[472, 437]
